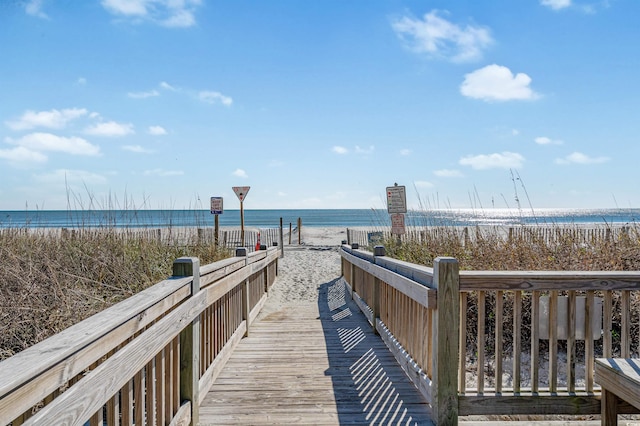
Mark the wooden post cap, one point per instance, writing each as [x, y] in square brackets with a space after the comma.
[379, 251]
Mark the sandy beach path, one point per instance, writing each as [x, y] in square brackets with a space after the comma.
[304, 269]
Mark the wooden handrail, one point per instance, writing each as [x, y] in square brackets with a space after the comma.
[549, 280]
[79, 372]
[399, 289]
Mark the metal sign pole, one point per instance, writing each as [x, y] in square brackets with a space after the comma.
[242, 223]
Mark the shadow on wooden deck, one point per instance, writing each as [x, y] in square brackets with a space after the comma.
[368, 384]
[318, 364]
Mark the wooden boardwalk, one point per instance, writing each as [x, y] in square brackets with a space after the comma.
[314, 364]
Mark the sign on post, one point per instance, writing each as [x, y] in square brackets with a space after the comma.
[396, 199]
[241, 192]
[216, 205]
[397, 223]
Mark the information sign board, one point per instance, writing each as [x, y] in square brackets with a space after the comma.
[241, 192]
[216, 205]
[396, 199]
[397, 223]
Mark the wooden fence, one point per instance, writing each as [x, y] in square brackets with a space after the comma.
[229, 238]
[484, 342]
[537, 234]
[147, 360]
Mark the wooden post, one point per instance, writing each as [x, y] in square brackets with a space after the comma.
[299, 231]
[242, 223]
[608, 408]
[378, 251]
[290, 231]
[354, 246]
[281, 240]
[190, 341]
[246, 303]
[216, 229]
[446, 279]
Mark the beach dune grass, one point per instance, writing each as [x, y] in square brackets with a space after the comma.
[555, 248]
[52, 279]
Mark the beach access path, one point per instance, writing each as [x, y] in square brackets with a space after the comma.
[311, 357]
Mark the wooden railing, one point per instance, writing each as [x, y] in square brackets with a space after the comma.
[465, 337]
[147, 360]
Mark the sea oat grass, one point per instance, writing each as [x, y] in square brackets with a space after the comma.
[526, 249]
[52, 279]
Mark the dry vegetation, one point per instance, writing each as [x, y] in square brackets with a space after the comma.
[51, 279]
[535, 249]
[527, 248]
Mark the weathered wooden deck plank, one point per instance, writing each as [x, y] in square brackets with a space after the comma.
[313, 365]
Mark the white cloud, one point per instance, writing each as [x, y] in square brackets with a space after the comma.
[556, 4]
[404, 152]
[207, 96]
[440, 38]
[67, 176]
[34, 8]
[365, 151]
[156, 130]
[214, 97]
[137, 148]
[180, 18]
[163, 173]
[580, 158]
[49, 142]
[54, 119]
[422, 184]
[110, 129]
[497, 83]
[340, 150]
[515, 132]
[22, 156]
[143, 95]
[168, 13]
[504, 160]
[167, 86]
[240, 173]
[448, 173]
[543, 140]
[81, 81]
[126, 7]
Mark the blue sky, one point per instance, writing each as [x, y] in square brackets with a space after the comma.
[319, 104]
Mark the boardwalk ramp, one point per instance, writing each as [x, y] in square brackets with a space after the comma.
[314, 364]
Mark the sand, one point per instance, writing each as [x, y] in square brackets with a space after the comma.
[305, 267]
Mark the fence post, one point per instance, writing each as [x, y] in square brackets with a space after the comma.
[246, 303]
[378, 251]
[446, 279]
[354, 246]
[190, 341]
[281, 240]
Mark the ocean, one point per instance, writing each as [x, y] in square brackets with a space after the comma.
[318, 218]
